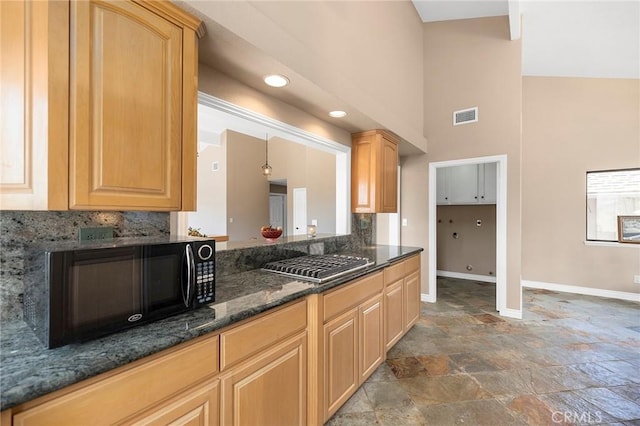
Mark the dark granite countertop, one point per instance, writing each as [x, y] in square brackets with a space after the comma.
[29, 370]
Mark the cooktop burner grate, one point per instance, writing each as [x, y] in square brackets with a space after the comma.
[318, 268]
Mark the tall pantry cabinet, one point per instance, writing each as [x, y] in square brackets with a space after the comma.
[102, 100]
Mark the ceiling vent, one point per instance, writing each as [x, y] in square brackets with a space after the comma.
[465, 116]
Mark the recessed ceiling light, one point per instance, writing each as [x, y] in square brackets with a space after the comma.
[337, 114]
[276, 80]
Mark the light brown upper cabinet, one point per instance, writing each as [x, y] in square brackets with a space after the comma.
[374, 172]
[123, 75]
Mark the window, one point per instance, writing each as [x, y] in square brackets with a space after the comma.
[611, 193]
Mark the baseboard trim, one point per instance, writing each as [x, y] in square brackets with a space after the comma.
[427, 298]
[463, 276]
[564, 288]
[511, 313]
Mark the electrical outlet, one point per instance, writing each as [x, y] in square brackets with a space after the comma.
[96, 234]
[314, 222]
[636, 279]
[404, 221]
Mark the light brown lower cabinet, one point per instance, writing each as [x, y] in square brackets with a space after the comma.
[268, 389]
[402, 299]
[199, 406]
[340, 360]
[394, 323]
[412, 299]
[370, 333]
[353, 340]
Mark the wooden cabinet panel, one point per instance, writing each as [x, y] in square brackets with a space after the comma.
[371, 345]
[98, 105]
[412, 298]
[197, 407]
[260, 333]
[389, 175]
[34, 37]
[412, 264]
[125, 110]
[351, 295]
[269, 389]
[363, 175]
[124, 394]
[340, 361]
[374, 172]
[394, 313]
[394, 273]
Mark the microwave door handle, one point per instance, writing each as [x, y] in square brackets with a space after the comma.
[191, 266]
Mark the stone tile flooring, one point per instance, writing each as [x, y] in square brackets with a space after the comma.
[572, 359]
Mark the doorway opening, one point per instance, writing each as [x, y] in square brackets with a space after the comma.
[278, 204]
[500, 228]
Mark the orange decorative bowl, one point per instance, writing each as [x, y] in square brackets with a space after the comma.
[271, 234]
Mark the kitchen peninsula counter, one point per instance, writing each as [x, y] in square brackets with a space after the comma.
[28, 370]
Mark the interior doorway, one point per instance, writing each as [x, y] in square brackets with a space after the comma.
[278, 211]
[501, 224]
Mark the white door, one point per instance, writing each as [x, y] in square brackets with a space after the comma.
[277, 205]
[299, 211]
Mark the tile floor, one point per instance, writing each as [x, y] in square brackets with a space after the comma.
[572, 359]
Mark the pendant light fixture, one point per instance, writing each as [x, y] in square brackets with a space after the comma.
[266, 168]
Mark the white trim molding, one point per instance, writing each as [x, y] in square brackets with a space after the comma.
[465, 276]
[511, 313]
[565, 288]
[427, 298]
[501, 224]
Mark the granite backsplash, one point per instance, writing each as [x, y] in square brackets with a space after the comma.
[18, 228]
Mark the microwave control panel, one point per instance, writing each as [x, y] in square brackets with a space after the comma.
[205, 275]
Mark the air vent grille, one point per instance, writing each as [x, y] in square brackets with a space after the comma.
[465, 116]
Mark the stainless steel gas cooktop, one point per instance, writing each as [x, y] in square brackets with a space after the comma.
[318, 268]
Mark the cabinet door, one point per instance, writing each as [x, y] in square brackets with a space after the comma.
[363, 175]
[394, 313]
[462, 184]
[340, 361]
[487, 183]
[34, 46]
[268, 389]
[198, 407]
[442, 193]
[412, 299]
[125, 108]
[389, 177]
[371, 344]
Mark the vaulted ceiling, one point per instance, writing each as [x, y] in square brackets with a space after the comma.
[563, 38]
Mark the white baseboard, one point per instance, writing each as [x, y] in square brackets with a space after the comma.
[564, 288]
[511, 313]
[463, 276]
[427, 298]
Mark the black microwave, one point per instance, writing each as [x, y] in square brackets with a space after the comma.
[76, 291]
